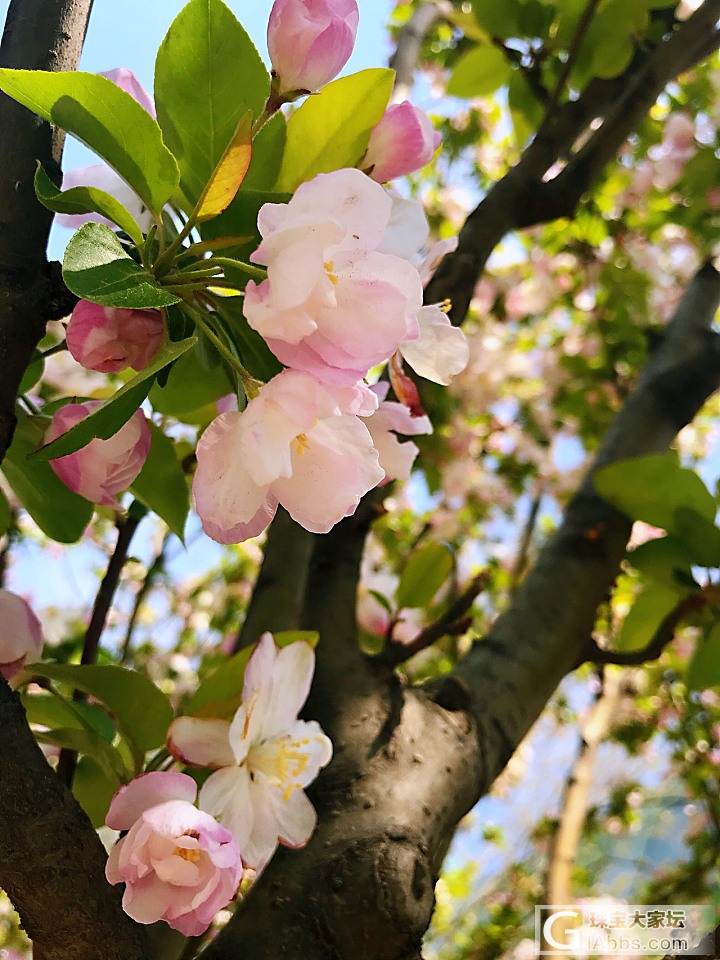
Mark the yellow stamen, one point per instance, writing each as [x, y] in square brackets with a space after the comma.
[192, 856]
[302, 443]
[329, 267]
[446, 305]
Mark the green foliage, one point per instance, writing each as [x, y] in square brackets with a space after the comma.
[108, 418]
[479, 72]
[5, 514]
[195, 382]
[704, 668]
[331, 130]
[426, 571]
[52, 710]
[93, 789]
[60, 514]
[107, 120]
[162, 485]
[85, 200]
[200, 96]
[96, 267]
[92, 745]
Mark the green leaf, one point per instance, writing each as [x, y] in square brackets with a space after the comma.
[52, 711]
[191, 387]
[479, 72]
[700, 536]
[331, 130]
[85, 200]
[142, 711]
[97, 268]
[161, 484]
[229, 173]
[646, 614]
[268, 149]
[661, 560]
[425, 572]
[93, 789]
[60, 514]
[652, 488]
[498, 19]
[107, 120]
[107, 419]
[704, 668]
[33, 373]
[220, 694]
[92, 745]
[5, 514]
[208, 74]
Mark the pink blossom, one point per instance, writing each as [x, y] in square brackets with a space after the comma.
[20, 636]
[389, 420]
[264, 758]
[403, 141]
[109, 339]
[299, 443]
[441, 351]
[177, 863]
[103, 468]
[124, 78]
[333, 304]
[310, 41]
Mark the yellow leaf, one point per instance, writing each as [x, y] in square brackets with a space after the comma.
[229, 173]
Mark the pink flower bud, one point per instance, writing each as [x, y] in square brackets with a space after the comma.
[103, 468]
[310, 40]
[110, 339]
[124, 78]
[20, 634]
[402, 142]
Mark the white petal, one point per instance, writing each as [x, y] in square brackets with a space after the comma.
[292, 676]
[263, 840]
[407, 230]
[441, 351]
[296, 819]
[201, 742]
[226, 796]
[103, 177]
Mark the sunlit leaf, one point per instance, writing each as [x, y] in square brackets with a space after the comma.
[229, 173]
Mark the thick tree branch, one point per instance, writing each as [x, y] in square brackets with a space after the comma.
[508, 677]
[523, 198]
[52, 863]
[39, 35]
[410, 39]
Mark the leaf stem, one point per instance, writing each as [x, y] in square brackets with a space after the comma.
[250, 384]
[257, 273]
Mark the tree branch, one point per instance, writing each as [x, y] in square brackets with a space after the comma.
[52, 863]
[410, 39]
[39, 35]
[523, 199]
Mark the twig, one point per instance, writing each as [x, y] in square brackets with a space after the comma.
[452, 622]
[522, 555]
[154, 569]
[103, 601]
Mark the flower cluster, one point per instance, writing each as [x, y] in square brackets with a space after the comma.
[182, 864]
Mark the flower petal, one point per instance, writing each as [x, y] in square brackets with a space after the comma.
[226, 796]
[144, 792]
[441, 351]
[296, 819]
[201, 742]
[292, 676]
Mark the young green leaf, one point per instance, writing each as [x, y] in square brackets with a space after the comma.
[93, 789]
[647, 613]
[162, 485]
[208, 74]
[53, 711]
[97, 268]
[107, 419]
[704, 668]
[229, 173]
[480, 71]
[107, 120]
[425, 572]
[60, 514]
[85, 200]
[90, 744]
[331, 130]
[141, 710]
[191, 387]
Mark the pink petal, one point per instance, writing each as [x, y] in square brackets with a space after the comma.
[200, 741]
[146, 791]
[226, 796]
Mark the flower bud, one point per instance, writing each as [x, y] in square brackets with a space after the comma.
[20, 634]
[110, 339]
[103, 468]
[310, 41]
[403, 141]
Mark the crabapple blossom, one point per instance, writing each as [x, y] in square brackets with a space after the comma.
[264, 758]
[403, 141]
[178, 863]
[310, 41]
[103, 468]
[389, 420]
[299, 443]
[333, 304]
[441, 351]
[20, 635]
[109, 339]
[103, 177]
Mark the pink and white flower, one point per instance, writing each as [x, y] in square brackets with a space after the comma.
[299, 443]
[178, 863]
[403, 141]
[110, 339]
[103, 468]
[264, 758]
[333, 304]
[389, 420]
[310, 41]
[20, 634]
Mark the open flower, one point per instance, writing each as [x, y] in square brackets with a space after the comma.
[20, 634]
[389, 420]
[299, 443]
[264, 758]
[177, 863]
[110, 339]
[333, 304]
[103, 468]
